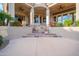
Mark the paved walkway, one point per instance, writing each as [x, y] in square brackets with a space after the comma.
[42, 46]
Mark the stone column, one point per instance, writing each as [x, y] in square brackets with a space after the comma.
[32, 16]
[11, 9]
[73, 19]
[5, 10]
[39, 19]
[47, 16]
[77, 11]
[42, 20]
[56, 20]
[5, 7]
[26, 20]
[62, 17]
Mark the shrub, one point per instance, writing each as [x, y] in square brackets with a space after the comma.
[52, 24]
[1, 23]
[15, 23]
[4, 15]
[77, 23]
[59, 24]
[68, 22]
[1, 40]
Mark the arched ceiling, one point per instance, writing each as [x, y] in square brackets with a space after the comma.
[40, 10]
[22, 8]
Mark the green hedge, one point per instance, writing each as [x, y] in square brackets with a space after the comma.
[77, 23]
[1, 23]
[15, 23]
[1, 40]
[3, 16]
[59, 24]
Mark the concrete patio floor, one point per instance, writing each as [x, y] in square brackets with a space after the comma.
[42, 46]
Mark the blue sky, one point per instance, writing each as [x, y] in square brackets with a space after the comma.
[1, 7]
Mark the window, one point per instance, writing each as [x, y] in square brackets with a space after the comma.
[73, 17]
[60, 19]
[44, 20]
[36, 19]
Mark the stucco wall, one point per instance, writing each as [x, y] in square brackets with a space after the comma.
[77, 11]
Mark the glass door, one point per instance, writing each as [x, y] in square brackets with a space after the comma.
[36, 20]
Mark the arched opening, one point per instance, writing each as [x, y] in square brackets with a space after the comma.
[22, 13]
[39, 15]
[61, 12]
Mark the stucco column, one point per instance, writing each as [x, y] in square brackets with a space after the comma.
[56, 18]
[62, 17]
[11, 9]
[42, 21]
[5, 7]
[77, 11]
[32, 16]
[5, 10]
[39, 19]
[47, 16]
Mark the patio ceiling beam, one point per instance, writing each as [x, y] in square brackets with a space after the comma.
[52, 4]
[28, 4]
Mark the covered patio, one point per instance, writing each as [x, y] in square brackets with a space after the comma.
[42, 13]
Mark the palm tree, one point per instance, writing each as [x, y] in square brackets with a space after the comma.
[4, 15]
